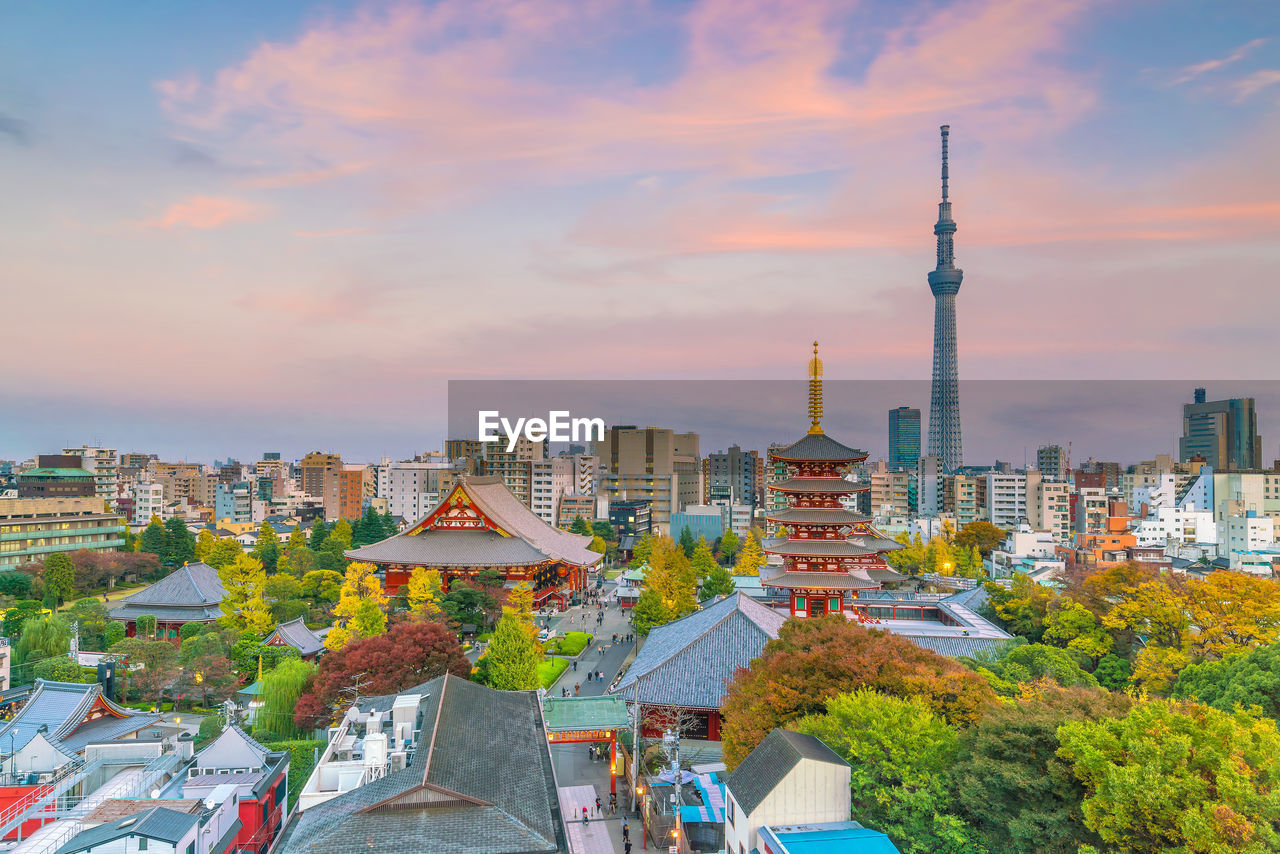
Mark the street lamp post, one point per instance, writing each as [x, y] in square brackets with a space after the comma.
[644, 819]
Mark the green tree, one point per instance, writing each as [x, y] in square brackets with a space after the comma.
[1112, 672]
[649, 612]
[513, 655]
[1022, 608]
[580, 526]
[910, 558]
[64, 670]
[319, 533]
[158, 670]
[179, 544]
[717, 583]
[1178, 776]
[224, 552]
[266, 547]
[702, 561]
[640, 551]
[282, 685]
[153, 539]
[145, 625]
[1247, 679]
[339, 538]
[603, 530]
[900, 753]
[1009, 781]
[322, 585]
[728, 547]
[93, 618]
[59, 575]
[207, 671]
[116, 632]
[750, 557]
[244, 608]
[43, 637]
[1071, 625]
[687, 543]
[1013, 664]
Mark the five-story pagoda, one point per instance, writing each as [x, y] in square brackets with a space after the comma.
[828, 551]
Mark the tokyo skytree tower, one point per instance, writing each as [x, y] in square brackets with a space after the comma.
[944, 281]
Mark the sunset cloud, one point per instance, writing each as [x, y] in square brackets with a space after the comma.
[206, 212]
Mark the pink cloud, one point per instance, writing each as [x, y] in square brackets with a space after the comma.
[208, 212]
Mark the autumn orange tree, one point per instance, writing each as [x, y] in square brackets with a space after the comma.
[815, 659]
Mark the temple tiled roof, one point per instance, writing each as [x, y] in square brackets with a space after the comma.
[61, 707]
[489, 747]
[817, 447]
[815, 548]
[689, 662]
[819, 581]
[296, 634]
[816, 516]
[875, 542]
[835, 485]
[191, 593]
[532, 540]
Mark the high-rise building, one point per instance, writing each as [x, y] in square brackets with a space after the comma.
[320, 480]
[1224, 432]
[1052, 461]
[57, 476]
[102, 464]
[904, 437]
[729, 477]
[355, 484]
[652, 464]
[33, 528]
[944, 281]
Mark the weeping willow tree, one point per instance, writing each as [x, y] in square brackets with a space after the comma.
[281, 688]
[43, 637]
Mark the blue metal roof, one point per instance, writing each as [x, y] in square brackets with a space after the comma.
[832, 837]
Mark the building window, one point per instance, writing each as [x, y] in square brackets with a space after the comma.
[142, 843]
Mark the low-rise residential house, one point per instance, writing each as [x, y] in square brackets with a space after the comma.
[789, 779]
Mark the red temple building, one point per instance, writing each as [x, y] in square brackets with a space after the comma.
[480, 525]
[828, 552]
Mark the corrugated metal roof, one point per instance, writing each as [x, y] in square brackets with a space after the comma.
[159, 823]
[770, 763]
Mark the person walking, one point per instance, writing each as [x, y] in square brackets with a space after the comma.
[575, 665]
[626, 846]
[584, 813]
[626, 832]
[575, 689]
[597, 805]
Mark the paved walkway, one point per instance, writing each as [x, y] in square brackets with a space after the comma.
[602, 655]
[600, 834]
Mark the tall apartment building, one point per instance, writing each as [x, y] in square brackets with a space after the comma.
[586, 474]
[102, 462]
[774, 472]
[930, 485]
[891, 491]
[1223, 432]
[961, 499]
[233, 502]
[147, 501]
[32, 528]
[550, 480]
[653, 464]
[1090, 510]
[1049, 507]
[1007, 497]
[904, 437]
[729, 477]
[355, 484]
[515, 467]
[320, 480]
[1051, 460]
[412, 488]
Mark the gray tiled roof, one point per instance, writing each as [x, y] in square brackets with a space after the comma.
[190, 593]
[819, 581]
[815, 516]
[485, 745]
[61, 707]
[450, 548]
[953, 646]
[818, 484]
[770, 763]
[160, 823]
[815, 547]
[689, 662]
[296, 634]
[818, 446]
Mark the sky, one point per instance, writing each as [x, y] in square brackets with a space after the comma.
[240, 227]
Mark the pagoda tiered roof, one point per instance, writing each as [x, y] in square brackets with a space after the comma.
[794, 580]
[827, 485]
[821, 448]
[191, 593]
[816, 547]
[816, 516]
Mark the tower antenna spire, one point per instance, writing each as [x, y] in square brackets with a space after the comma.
[946, 131]
[944, 282]
[815, 392]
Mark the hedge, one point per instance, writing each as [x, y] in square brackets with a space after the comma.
[571, 643]
[549, 670]
[301, 763]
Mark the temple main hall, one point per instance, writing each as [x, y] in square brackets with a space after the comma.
[480, 525]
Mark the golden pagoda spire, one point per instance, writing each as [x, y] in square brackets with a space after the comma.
[815, 391]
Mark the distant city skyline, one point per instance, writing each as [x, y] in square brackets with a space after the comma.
[239, 225]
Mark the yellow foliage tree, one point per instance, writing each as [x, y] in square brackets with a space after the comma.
[361, 608]
[672, 577]
[424, 591]
[244, 607]
[750, 556]
[204, 544]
